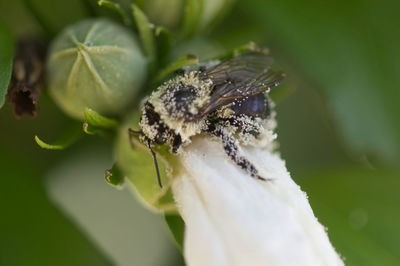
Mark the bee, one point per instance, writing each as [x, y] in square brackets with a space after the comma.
[228, 100]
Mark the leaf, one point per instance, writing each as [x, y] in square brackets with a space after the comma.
[145, 33]
[183, 61]
[192, 17]
[69, 138]
[350, 50]
[95, 119]
[360, 209]
[115, 7]
[177, 227]
[6, 59]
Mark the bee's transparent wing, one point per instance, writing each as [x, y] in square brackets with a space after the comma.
[236, 79]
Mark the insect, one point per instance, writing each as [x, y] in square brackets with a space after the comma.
[227, 100]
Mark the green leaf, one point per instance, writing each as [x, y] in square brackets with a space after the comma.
[115, 7]
[183, 61]
[6, 59]
[145, 33]
[69, 138]
[350, 50]
[360, 209]
[96, 120]
[177, 227]
[114, 176]
[192, 17]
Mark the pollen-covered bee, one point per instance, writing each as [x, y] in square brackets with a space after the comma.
[224, 99]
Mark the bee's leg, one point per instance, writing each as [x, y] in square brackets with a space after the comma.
[176, 144]
[232, 150]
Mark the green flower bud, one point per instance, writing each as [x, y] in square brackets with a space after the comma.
[171, 14]
[95, 63]
[135, 161]
[165, 13]
[211, 10]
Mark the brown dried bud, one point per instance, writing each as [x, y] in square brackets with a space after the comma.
[27, 77]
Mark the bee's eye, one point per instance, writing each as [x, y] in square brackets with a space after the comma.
[183, 95]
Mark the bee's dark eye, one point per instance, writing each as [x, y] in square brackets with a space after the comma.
[183, 95]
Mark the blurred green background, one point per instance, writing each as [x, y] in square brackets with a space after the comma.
[339, 132]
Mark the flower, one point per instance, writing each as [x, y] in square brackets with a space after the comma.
[233, 219]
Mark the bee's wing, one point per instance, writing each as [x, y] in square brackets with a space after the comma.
[236, 79]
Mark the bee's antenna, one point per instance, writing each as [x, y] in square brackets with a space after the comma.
[140, 132]
[155, 163]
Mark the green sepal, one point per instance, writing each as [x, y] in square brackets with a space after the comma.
[177, 226]
[146, 34]
[164, 41]
[186, 60]
[114, 176]
[91, 130]
[6, 59]
[96, 120]
[242, 49]
[115, 7]
[192, 17]
[135, 161]
[69, 138]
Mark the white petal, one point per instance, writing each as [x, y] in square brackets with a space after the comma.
[233, 219]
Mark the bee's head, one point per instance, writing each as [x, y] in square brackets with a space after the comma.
[178, 99]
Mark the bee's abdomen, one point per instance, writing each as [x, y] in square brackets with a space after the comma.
[256, 106]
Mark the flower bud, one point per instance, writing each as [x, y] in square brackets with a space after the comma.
[95, 63]
[164, 13]
[171, 14]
